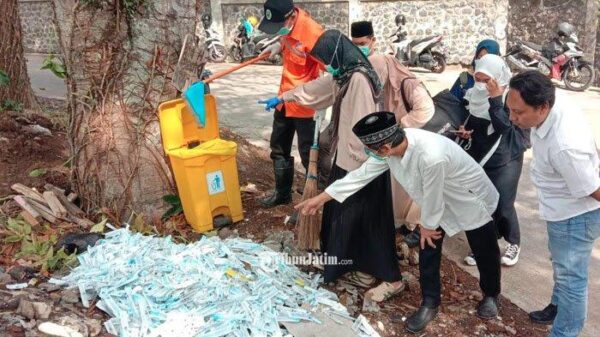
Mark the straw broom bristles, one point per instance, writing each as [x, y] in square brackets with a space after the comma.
[309, 226]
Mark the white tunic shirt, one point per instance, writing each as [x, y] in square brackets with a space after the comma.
[452, 189]
[565, 165]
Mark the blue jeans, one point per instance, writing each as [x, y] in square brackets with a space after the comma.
[571, 242]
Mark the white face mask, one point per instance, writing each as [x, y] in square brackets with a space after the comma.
[480, 86]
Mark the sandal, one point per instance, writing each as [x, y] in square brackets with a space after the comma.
[360, 279]
[384, 291]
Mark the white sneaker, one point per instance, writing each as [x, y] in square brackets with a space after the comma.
[511, 255]
[470, 260]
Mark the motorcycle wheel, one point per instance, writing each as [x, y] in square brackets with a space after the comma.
[440, 63]
[218, 54]
[235, 54]
[277, 60]
[581, 79]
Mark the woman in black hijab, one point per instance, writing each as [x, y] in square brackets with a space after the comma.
[359, 232]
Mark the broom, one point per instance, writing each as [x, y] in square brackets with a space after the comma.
[309, 226]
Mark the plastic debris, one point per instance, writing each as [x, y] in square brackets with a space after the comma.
[154, 287]
[17, 286]
[53, 329]
[363, 328]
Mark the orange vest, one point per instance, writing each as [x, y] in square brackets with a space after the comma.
[299, 66]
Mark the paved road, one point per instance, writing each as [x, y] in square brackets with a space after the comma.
[44, 82]
[528, 284]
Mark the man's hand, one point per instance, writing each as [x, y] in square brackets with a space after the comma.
[596, 195]
[313, 205]
[428, 235]
[494, 89]
[272, 50]
[271, 103]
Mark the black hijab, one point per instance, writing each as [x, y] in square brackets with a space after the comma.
[347, 58]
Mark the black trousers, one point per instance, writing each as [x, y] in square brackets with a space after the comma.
[483, 243]
[506, 180]
[282, 136]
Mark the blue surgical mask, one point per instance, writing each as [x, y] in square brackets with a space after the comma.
[372, 154]
[285, 31]
[329, 68]
[365, 50]
[333, 71]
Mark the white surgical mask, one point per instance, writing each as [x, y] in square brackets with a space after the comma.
[480, 86]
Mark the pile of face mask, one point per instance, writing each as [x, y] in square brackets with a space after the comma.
[154, 287]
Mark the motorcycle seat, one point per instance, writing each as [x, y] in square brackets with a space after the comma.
[533, 46]
[416, 42]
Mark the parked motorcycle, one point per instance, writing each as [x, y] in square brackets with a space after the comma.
[245, 48]
[215, 49]
[429, 53]
[560, 59]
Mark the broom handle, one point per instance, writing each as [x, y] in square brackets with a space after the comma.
[314, 152]
[238, 67]
[318, 121]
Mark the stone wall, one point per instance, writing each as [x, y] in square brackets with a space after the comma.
[39, 32]
[332, 15]
[204, 6]
[463, 23]
[536, 20]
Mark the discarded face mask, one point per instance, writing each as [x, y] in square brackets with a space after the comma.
[154, 287]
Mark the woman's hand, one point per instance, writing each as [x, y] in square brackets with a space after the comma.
[494, 89]
[464, 133]
[313, 205]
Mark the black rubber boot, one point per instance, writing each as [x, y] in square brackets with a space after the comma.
[284, 178]
[488, 308]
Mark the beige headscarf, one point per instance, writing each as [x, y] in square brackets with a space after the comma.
[391, 73]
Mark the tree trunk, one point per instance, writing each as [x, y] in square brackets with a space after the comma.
[119, 63]
[12, 59]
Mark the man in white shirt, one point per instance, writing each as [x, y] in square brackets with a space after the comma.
[565, 170]
[454, 193]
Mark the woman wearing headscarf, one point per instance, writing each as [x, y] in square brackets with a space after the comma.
[497, 144]
[361, 229]
[466, 81]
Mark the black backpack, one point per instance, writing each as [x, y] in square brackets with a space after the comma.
[449, 113]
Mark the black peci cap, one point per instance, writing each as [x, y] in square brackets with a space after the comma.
[276, 11]
[361, 29]
[376, 128]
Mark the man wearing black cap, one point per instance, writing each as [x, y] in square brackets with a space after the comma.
[299, 33]
[454, 193]
[363, 36]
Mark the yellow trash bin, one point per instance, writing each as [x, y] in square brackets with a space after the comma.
[204, 165]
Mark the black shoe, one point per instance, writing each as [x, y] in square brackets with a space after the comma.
[545, 316]
[488, 308]
[284, 178]
[419, 320]
[413, 239]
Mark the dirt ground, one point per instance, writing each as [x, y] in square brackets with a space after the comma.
[20, 153]
[460, 290]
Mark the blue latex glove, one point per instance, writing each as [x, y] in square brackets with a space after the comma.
[271, 103]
